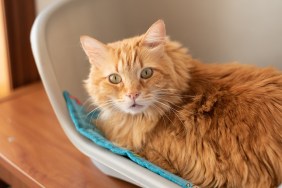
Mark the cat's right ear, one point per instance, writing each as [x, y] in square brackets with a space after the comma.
[94, 49]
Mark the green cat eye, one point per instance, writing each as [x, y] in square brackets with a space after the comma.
[146, 73]
[115, 78]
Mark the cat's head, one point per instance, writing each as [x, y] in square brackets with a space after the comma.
[135, 75]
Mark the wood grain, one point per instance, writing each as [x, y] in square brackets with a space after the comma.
[34, 149]
[19, 17]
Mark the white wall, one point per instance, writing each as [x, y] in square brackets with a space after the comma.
[41, 4]
[249, 31]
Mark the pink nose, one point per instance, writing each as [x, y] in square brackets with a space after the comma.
[133, 96]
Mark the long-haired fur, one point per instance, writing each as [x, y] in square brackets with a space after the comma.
[216, 125]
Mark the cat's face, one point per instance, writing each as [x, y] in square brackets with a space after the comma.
[132, 75]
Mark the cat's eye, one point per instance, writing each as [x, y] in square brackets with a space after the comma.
[115, 78]
[146, 73]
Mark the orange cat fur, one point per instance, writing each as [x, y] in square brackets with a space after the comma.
[214, 125]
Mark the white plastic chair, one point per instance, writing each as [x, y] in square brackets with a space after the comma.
[63, 65]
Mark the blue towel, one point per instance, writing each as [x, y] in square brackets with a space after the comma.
[84, 125]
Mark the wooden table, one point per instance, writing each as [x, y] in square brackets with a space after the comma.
[34, 151]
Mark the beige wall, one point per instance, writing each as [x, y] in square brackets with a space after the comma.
[249, 31]
[41, 4]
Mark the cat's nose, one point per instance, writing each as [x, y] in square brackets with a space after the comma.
[133, 95]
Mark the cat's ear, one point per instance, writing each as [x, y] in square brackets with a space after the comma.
[94, 49]
[155, 37]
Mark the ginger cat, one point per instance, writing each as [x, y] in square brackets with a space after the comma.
[216, 125]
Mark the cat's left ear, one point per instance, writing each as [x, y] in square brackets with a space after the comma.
[154, 38]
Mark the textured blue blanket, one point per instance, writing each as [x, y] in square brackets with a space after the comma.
[84, 125]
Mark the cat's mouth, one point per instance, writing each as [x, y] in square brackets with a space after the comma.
[136, 106]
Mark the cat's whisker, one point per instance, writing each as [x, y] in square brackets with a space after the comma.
[167, 106]
[98, 117]
[164, 114]
[169, 102]
[173, 110]
[112, 107]
[174, 94]
[170, 90]
[163, 93]
[88, 105]
[87, 101]
[105, 104]
[92, 114]
[98, 107]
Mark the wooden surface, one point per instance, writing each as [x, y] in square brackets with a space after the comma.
[34, 151]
